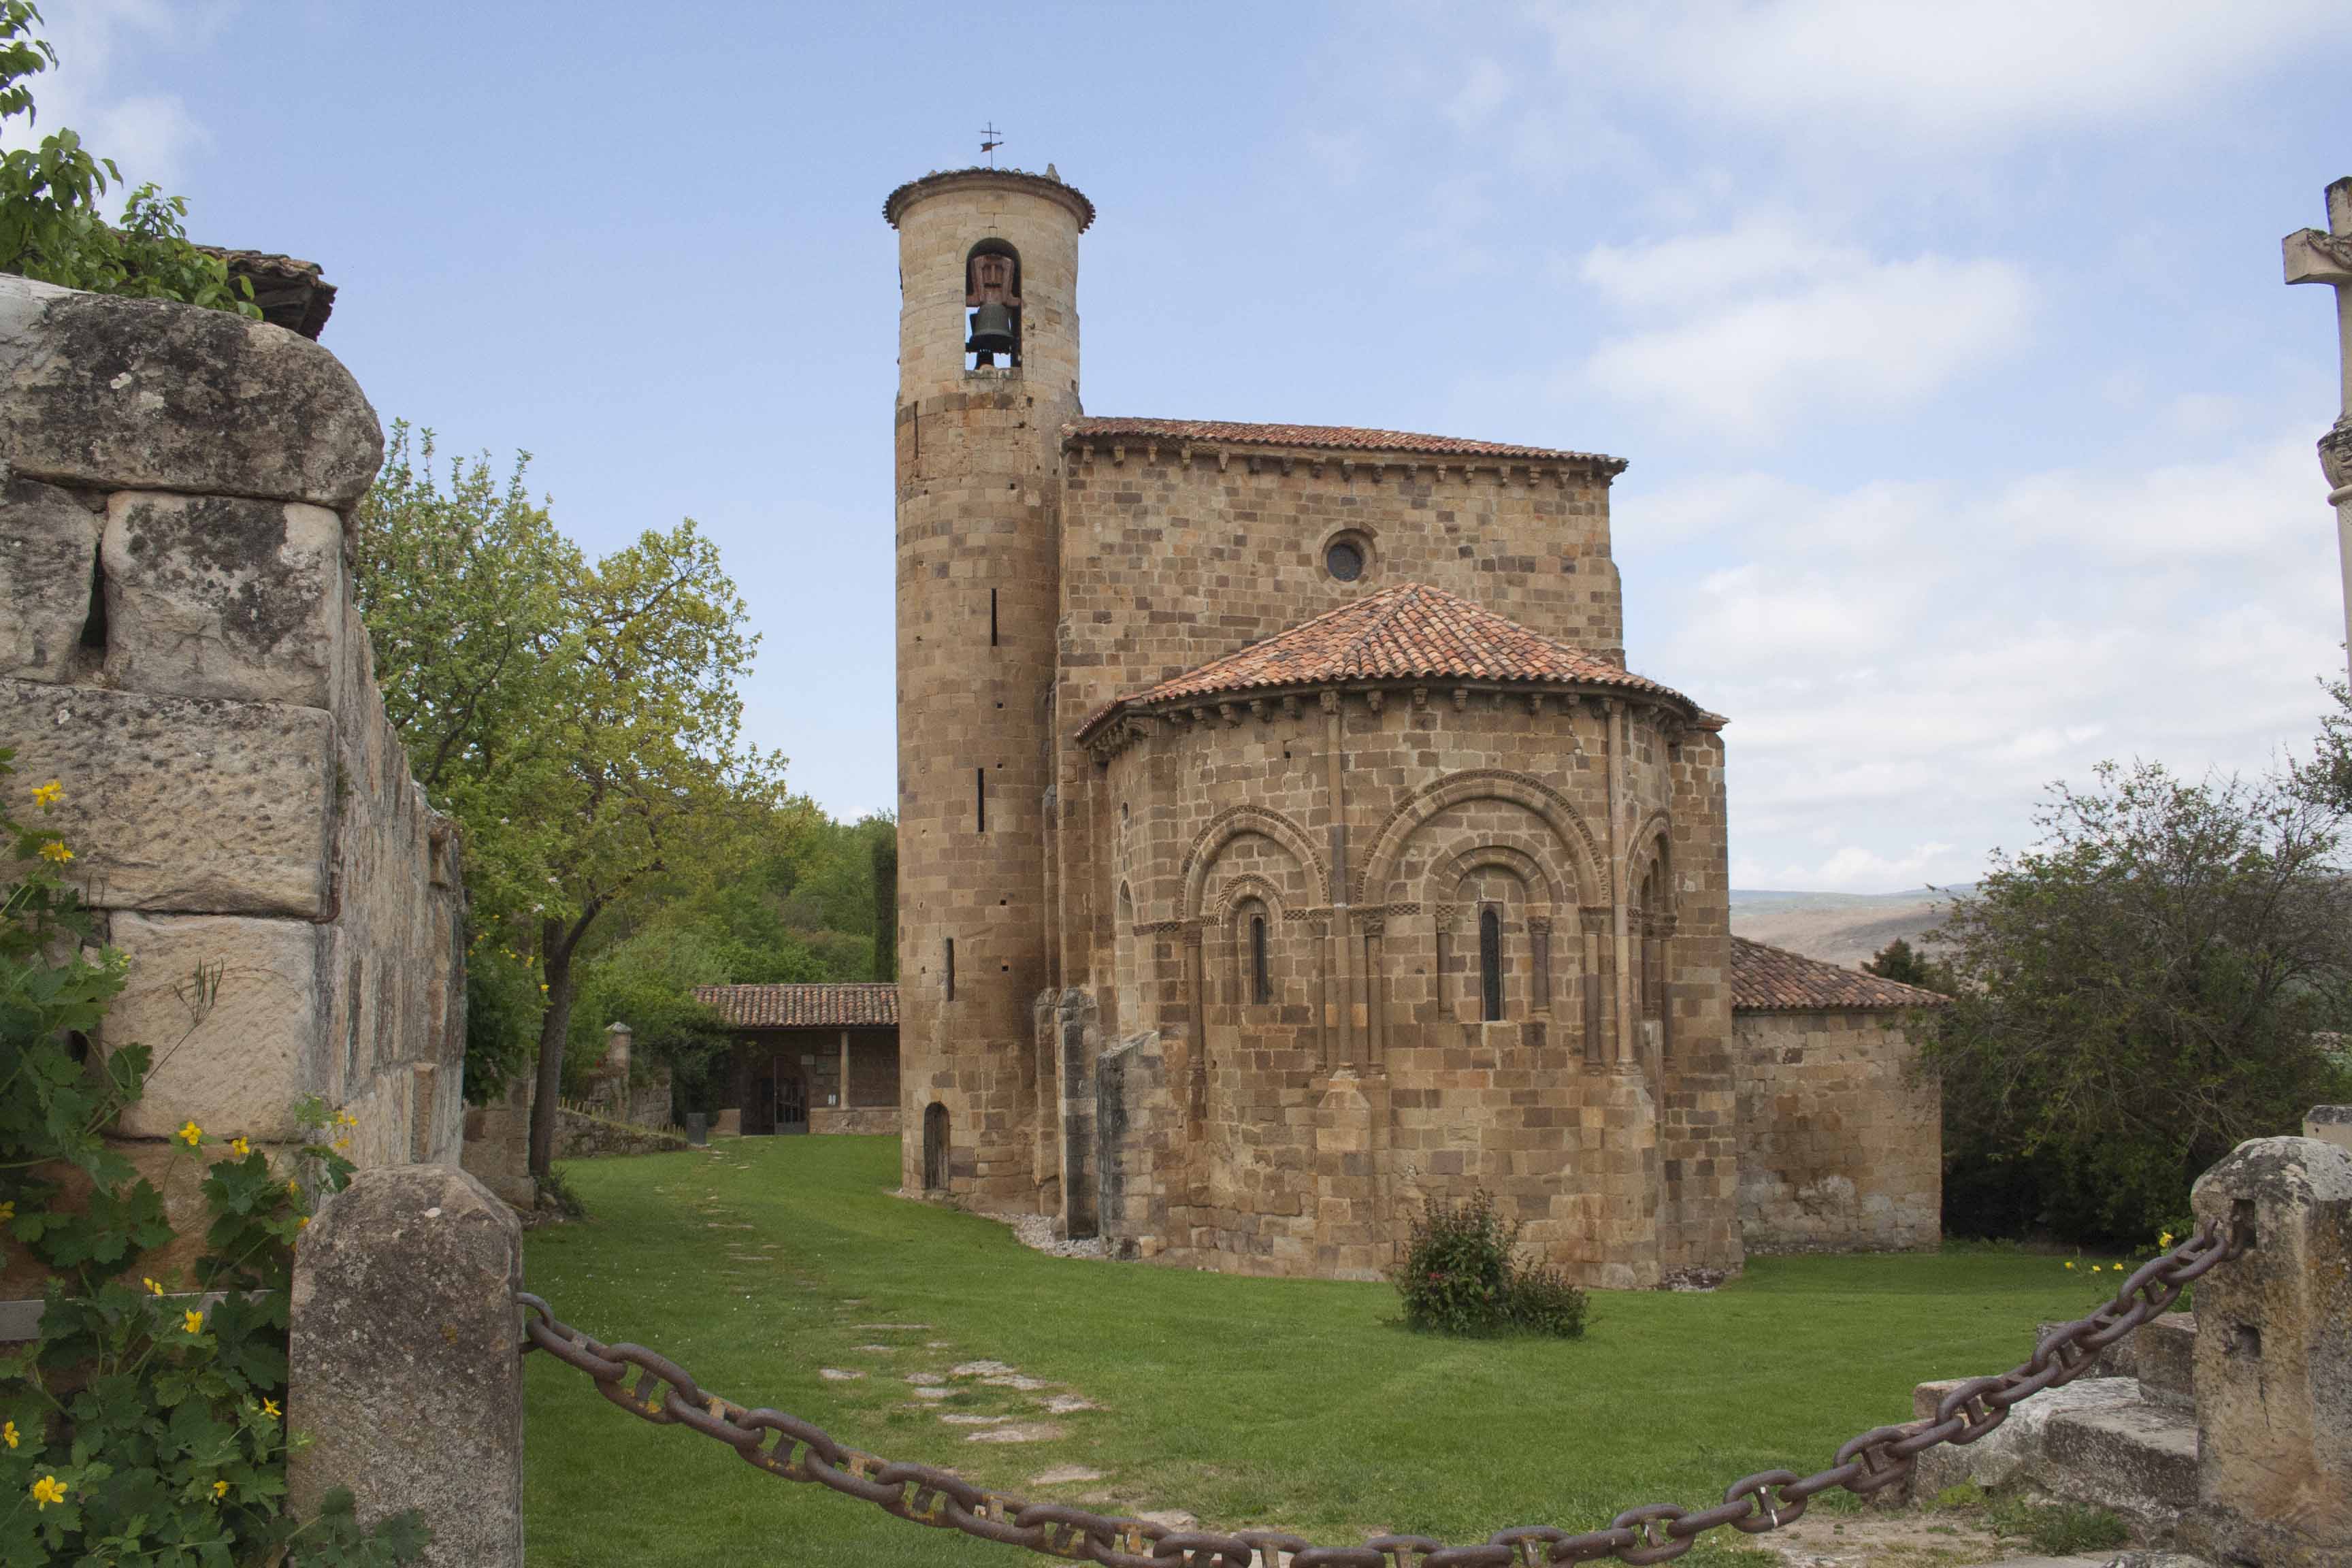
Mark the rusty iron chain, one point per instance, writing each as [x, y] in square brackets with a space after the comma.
[664, 1392]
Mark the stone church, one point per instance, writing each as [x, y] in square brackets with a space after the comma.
[1284, 842]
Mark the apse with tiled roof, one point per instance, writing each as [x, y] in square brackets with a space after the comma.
[1284, 837]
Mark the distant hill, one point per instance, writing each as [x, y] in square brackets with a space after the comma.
[1843, 929]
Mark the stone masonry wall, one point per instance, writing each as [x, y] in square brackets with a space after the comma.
[180, 649]
[1316, 1120]
[978, 492]
[1840, 1150]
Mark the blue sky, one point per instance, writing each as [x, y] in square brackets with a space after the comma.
[1970, 424]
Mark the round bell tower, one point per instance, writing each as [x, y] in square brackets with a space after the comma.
[988, 374]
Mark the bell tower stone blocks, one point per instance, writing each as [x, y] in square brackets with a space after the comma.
[988, 375]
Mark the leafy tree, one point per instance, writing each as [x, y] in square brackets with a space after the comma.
[1899, 961]
[50, 225]
[580, 718]
[2148, 985]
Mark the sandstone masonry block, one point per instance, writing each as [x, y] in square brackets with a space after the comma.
[146, 392]
[406, 1373]
[49, 541]
[222, 596]
[177, 803]
[235, 1062]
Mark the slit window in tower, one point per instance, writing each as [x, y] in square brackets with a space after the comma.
[1261, 983]
[1490, 964]
[980, 798]
[948, 969]
[991, 617]
[991, 296]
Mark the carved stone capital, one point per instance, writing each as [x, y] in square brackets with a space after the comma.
[2336, 454]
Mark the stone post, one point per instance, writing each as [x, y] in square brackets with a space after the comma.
[2329, 1124]
[406, 1370]
[2274, 1367]
[2325, 256]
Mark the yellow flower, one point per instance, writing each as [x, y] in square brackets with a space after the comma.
[270, 1408]
[2070, 1263]
[9, 1434]
[220, 1491]
[46, 1490]
[56, 850]
[7, 1212]
[2164, 1238]
[152, 1289]
[48, 794]
[239, 1147]
[190, 1133]
[192, 1322]
[294, 1187]
[303, 1223]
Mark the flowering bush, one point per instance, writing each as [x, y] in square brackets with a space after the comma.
[146, 1422]
[1460, 1277]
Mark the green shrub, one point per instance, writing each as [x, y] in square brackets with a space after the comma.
[1460, 1277]
[1542, 1301]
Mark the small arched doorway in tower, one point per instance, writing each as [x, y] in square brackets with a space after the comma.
[935, 1147]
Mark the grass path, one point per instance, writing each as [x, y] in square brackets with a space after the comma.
[1284, 1404]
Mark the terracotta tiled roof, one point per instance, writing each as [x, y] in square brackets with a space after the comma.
[1409, 632]
[289, 290]
[1325, 437]
[1772, 979]
[803, 1006]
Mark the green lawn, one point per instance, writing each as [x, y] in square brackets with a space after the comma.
[1294, 1405]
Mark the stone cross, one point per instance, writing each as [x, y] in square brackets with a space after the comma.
[2314, 256]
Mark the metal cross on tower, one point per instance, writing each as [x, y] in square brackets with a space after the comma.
[991, 139]
[2325, 256]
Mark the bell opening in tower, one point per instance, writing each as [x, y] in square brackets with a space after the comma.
[992, 279]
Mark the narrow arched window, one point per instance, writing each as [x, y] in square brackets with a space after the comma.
[1490, 963]
[1261, 984]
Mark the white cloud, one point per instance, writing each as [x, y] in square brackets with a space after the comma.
[1906, 666]
[149, 135]
[1750, 328]
[1868, 73]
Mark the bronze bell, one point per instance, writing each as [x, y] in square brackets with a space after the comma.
[991, 330]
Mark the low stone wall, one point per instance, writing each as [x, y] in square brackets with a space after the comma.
[180, 648]
[498, 1146]
[867, 1119]
[1838, 1150]
[581, 1136]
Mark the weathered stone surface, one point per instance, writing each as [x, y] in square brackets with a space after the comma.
[2274, 1358]
[2013, 1449]
[2329, 1124]
[497, 1144]
[406, 1377]
[2168, 1359]
[2137, 1459]
[231, 1007]
[152, 394]
[178, 802]
[223, 596]
[48, 547]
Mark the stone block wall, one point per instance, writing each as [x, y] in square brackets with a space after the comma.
[181, 651]
[1840, 1146]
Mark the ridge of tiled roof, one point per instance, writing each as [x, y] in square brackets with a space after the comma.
[1409, 632]
[850, 1006]
[1772, 979]
[1052, 186]
[291, 291]
[1323, 438]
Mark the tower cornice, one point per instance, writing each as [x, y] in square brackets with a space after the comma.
[894, 205]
